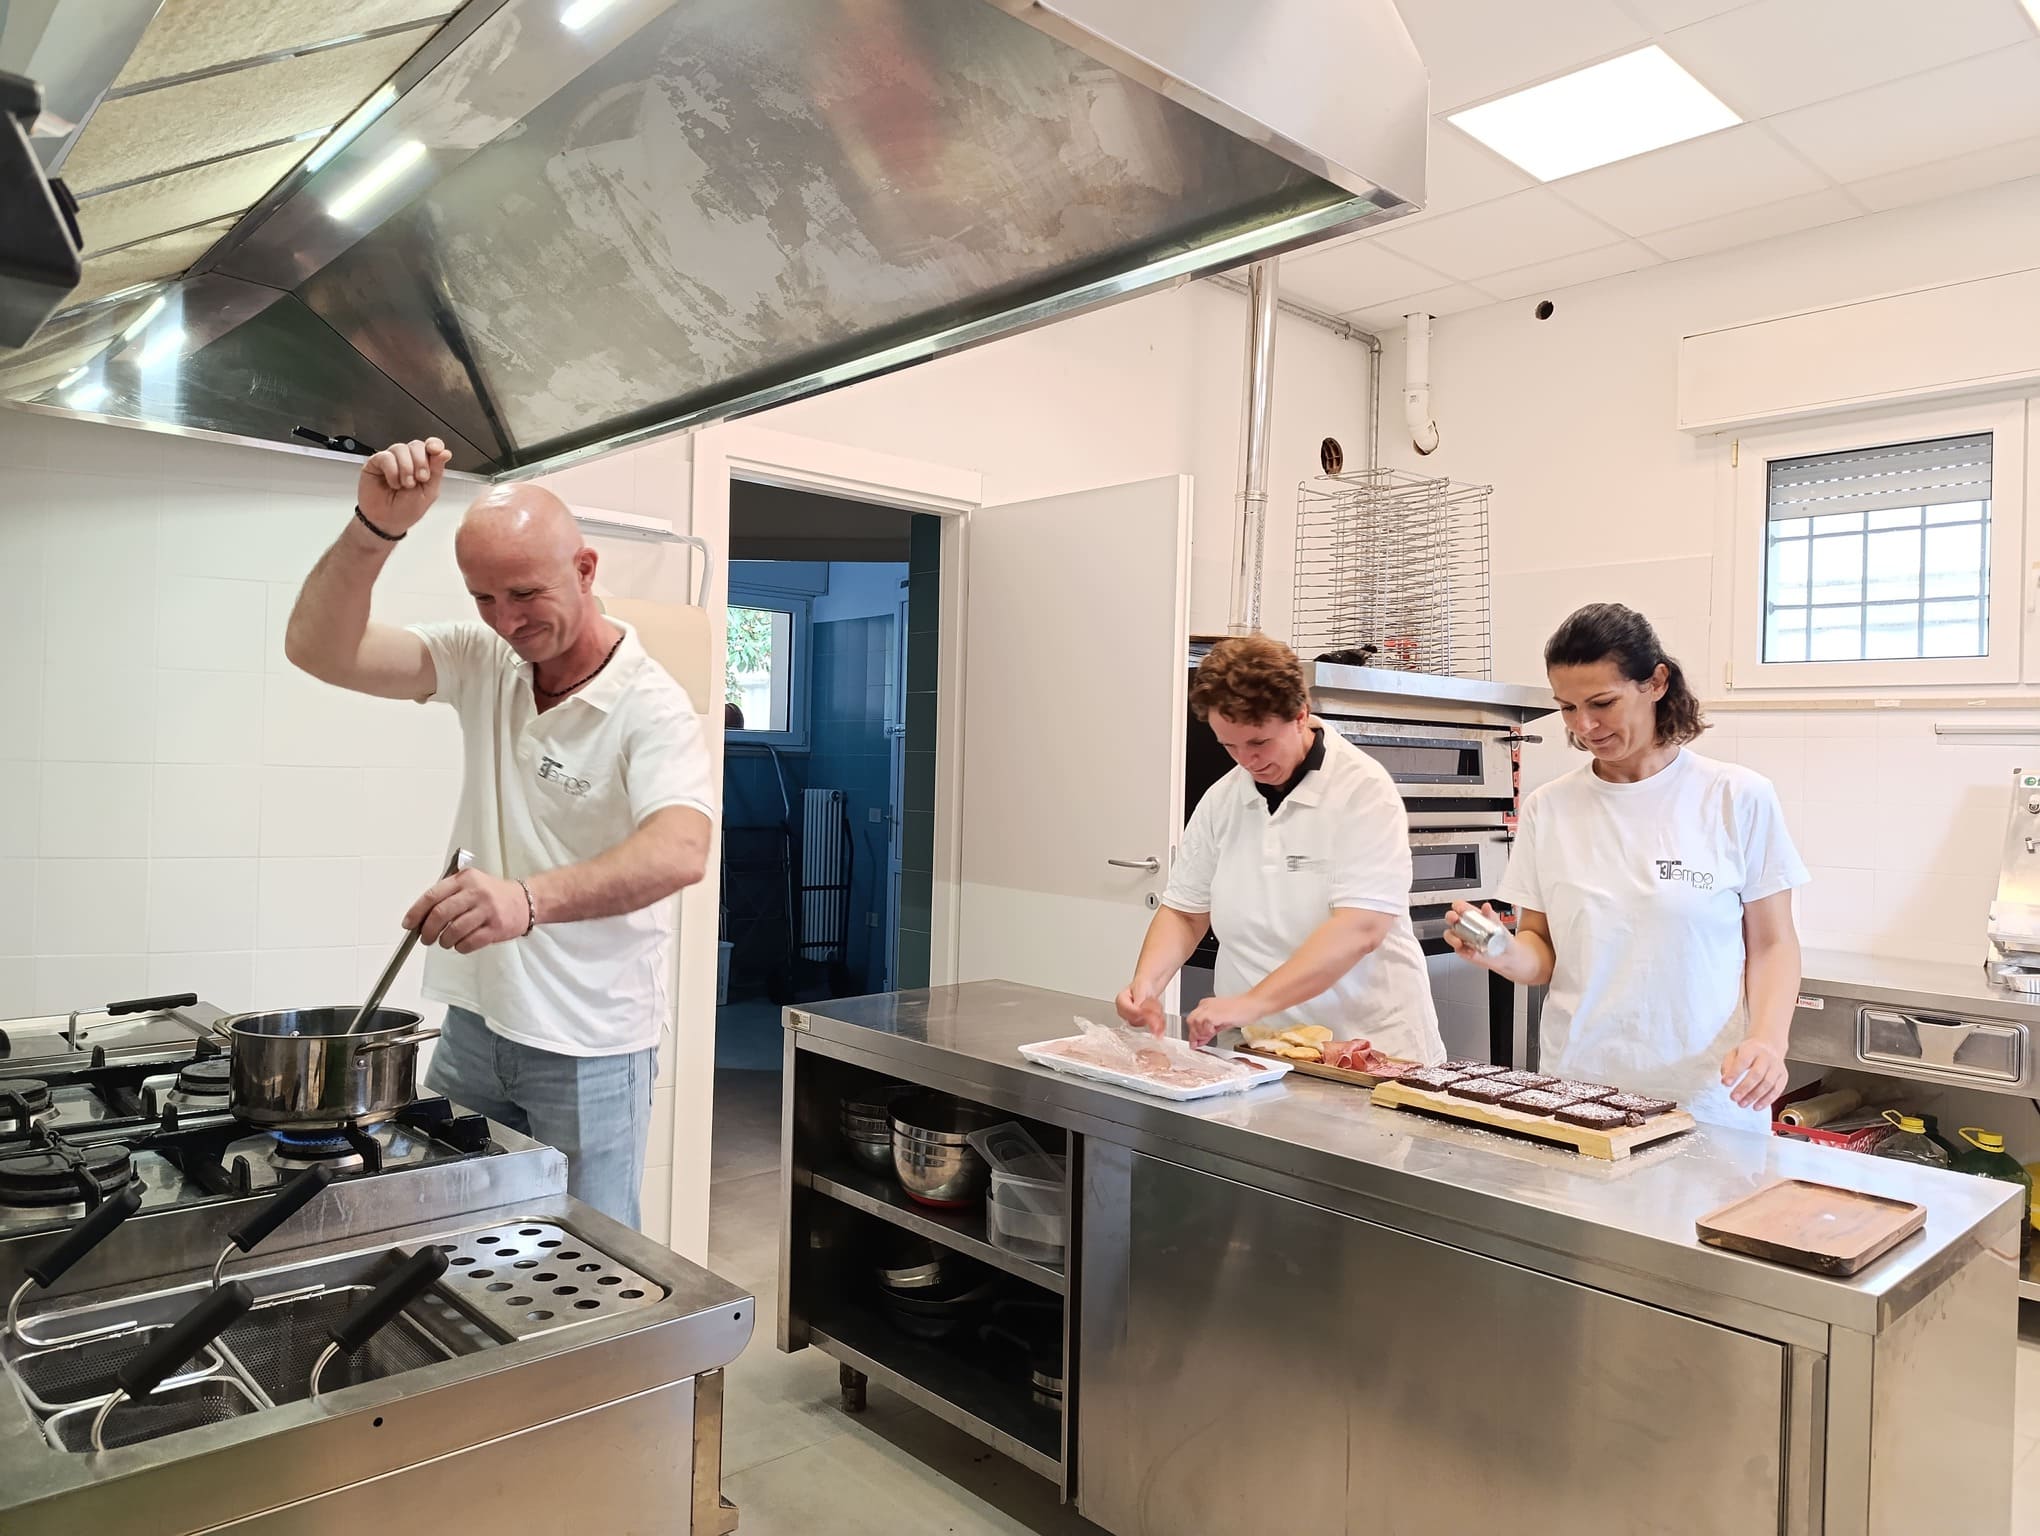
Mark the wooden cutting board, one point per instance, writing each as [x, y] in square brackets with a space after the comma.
[1821, 1227]
[1319, 1069]
[1611, 1145]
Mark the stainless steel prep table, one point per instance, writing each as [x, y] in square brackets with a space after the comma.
[1291, 1310]
[1926, 1022]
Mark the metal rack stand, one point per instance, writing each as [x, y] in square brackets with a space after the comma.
[1397, 561]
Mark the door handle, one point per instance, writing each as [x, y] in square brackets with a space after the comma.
[1152, 866]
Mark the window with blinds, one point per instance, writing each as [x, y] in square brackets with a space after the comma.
[1879, 553]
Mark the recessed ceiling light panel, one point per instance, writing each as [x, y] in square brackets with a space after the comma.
[1598, 115]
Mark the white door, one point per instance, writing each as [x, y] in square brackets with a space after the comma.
[1075, 673]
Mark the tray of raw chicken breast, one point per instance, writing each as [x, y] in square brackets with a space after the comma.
[1163, 1067]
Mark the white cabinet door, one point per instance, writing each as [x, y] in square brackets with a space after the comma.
[1075, 674]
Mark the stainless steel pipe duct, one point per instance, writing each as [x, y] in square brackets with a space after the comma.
[1250, 535]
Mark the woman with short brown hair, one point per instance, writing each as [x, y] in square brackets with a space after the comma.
[1299, 859]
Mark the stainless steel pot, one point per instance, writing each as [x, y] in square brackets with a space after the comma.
[300, 1067]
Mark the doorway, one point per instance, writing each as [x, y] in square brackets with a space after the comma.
[828, 786]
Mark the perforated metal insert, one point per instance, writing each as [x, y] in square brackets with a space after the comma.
[277, 1345]
[530, 1278]
[55, 1379]
[167, 1412]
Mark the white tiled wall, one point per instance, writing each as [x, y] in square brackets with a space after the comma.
[184, 811]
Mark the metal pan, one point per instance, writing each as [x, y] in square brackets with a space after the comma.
[302, 1067]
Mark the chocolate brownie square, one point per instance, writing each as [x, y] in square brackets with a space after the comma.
[1595, 1117]
[1432, 1079]
[1580, 1092]
[1528, 1080]
[1475, 1068]
[1535, 1101]
[1638, 1106]
[1483, 1090]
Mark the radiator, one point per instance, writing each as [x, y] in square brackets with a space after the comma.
[824, 874]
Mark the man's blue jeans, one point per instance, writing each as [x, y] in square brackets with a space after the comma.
[596, 1109]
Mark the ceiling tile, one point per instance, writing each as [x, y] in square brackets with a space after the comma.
[165, 256]
[130, 137]
[1463, 172]
[1496, 237]
[191, 35]
[185, 197]
[1780, 54]
[1352, 276]
[1480, 48]
[1936, 116]
[1570, 271]
[1668, 15]
[1452, 300]
[1684, 183]
[1830, 206]
[1946, 178]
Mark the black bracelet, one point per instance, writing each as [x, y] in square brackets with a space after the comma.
[531, 908]
[387, 538]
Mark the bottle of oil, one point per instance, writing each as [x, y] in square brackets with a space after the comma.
[1910, 1143]
[1986, 1158]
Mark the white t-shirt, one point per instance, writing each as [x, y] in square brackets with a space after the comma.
[539, 791]
[1341, 838]
[1644, 885]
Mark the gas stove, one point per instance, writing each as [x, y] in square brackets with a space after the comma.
[139, 1094]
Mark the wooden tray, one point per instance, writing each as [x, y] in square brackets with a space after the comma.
[1611, 1145]
[1319, 1069]
[1821, 1227]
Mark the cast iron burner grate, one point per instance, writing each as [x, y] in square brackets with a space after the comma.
[23, 1101]
[50, 1172]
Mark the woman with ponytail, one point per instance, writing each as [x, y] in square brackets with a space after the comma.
[1654, 889]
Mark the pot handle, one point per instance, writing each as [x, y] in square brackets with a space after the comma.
[409, 1037]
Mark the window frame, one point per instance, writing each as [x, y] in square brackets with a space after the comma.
[795, 737]
[1750, 458]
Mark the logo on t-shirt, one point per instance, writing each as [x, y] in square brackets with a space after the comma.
[1677, 870]
[550, 769]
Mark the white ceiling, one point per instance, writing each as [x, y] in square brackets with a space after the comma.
[1850, 107]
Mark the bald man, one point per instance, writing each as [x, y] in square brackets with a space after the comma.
[587, 800]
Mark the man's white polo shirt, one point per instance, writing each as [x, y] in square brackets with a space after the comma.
[543, 790]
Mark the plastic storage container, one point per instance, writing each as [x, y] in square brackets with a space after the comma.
[1911, 1143]
[1029, 1217]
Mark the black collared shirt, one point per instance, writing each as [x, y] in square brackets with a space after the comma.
[1275, 794]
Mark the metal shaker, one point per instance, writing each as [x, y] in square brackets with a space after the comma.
[1480, 933]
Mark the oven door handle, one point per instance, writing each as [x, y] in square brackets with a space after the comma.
[1519, 738]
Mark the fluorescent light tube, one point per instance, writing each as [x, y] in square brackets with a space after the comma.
[582, 12]
[377, 179]
[1598, 115]
[350, 129]
[162, 347]
[142, 320]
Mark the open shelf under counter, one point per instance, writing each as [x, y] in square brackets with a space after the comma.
[1001, 1412]
[962, 1231]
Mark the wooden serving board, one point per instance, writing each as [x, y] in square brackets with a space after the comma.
[1611, 1145]
[1319, 1069]
[1821, 1227]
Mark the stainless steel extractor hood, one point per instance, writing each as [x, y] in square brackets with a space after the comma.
[546, 228]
